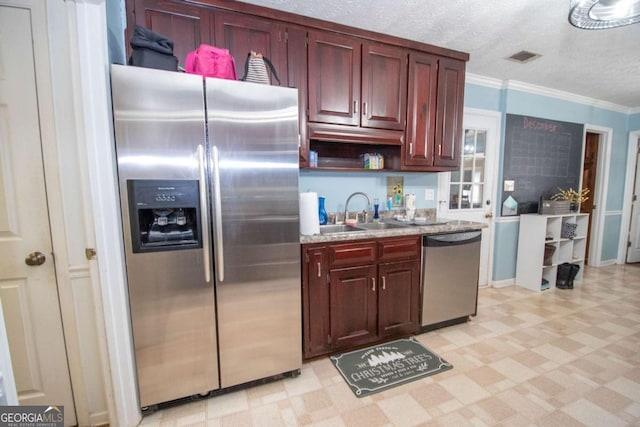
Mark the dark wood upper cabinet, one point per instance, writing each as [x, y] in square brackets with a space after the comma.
[297, 77]
[242, 34]
[334, 78]
[357, 83]
[421, 129]
[359, 91]
[449, 112]
[187, 25]
[384, 86]
[435, 105]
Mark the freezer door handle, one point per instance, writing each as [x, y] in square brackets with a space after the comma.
[204, 215]
[217, 211]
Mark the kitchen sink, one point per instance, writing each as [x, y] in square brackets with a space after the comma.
[361, 226]
[379, 225]
[333, 229]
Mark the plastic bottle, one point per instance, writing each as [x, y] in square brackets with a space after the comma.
[322, 213]
[376, 205]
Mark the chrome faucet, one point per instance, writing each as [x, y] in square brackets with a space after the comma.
[346, 205]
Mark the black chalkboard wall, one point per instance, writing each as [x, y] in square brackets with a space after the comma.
[540, 155]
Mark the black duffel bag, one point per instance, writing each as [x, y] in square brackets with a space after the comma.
[152, 50]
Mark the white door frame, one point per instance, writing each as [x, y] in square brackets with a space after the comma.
[600, 192]
[633, 146]
[94, 91]
[496, 117]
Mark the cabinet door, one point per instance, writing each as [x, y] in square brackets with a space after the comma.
[421, 117]
[297, 77]
[334, 78]
[449, 112]
[315, 302]
[242, 34]
[384, 86]
[353, 306]
[398, 298]
[188, 26]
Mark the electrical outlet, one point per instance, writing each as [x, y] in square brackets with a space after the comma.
[429, 194]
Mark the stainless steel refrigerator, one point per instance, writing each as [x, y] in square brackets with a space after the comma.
[208, 176]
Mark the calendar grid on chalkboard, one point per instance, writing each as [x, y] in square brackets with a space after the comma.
[540, 156]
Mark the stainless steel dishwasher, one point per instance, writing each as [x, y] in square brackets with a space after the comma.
[450, 264]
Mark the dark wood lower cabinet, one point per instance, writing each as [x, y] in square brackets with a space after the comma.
[359, 292]
[315, 288]
[398, 298]
[353, 306]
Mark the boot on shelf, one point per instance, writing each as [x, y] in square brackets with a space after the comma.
[564, 274]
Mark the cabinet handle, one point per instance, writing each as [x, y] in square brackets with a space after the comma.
[364, 109]
[373, 282]
[384, 283]
[319, 270]
[440, 150]
[355, 107]
[411, 148]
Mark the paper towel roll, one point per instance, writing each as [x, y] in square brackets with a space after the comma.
[309, 220]
[410, 201]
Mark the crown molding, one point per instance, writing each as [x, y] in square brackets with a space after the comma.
[484, 81]
[548, 92]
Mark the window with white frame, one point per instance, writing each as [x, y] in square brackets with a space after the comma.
[466, 185]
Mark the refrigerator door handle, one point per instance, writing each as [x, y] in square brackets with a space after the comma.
[217, 211]
[204, 215]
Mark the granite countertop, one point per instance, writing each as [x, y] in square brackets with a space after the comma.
[443, 226]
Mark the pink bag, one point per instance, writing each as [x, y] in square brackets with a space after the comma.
[211, 61]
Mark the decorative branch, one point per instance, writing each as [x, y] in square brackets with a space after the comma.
[571, 195]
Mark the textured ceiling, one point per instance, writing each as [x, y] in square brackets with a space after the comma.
[600, 64]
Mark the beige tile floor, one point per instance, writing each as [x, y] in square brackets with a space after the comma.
[555, 358]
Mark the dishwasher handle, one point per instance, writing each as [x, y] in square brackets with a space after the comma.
[451, 239]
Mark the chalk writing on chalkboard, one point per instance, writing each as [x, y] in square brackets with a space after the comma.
[540, 155]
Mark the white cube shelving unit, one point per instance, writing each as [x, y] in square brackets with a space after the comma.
[536, 231]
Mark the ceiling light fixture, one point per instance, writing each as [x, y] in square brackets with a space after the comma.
[602, 14]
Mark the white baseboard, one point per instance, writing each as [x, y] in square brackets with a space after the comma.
[503, 283]
[606, 262]
[99, 418]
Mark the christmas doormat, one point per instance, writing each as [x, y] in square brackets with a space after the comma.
[387, 365]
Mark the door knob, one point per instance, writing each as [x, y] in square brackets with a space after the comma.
[35, 258]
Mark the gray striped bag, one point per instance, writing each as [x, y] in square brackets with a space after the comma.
[255, 69]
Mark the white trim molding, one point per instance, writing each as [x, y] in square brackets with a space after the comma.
[505, 219]
[629, 180]
[503, 283]
[547, 92]
[600, 192]
[94, 91]
[491, 82]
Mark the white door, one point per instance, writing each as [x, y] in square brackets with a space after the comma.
[633, 252]
[28, 293]
[468, 194]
